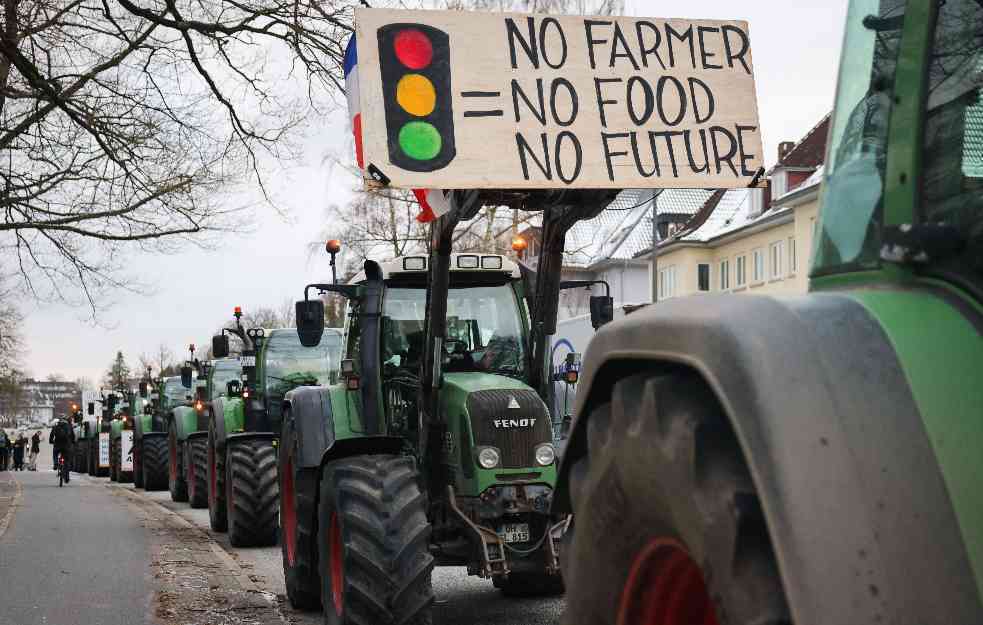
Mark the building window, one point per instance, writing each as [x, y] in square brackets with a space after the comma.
[724, 275]
[757, 266]
[792, 268]
[777, 270]
[741, 270]
[667, 282]
[703, 276]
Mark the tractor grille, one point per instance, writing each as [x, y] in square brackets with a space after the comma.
[511, 430]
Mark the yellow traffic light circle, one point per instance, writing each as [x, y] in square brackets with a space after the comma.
[416, 94]
[419, 140]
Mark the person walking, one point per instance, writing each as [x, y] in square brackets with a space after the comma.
[32, 464]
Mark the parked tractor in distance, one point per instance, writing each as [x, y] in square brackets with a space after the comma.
[245, 425]
[149, 439]
[121, 440]
[812, 459]
[99, 443]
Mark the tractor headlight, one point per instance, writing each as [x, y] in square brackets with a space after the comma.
[488, 457]
[545, 455]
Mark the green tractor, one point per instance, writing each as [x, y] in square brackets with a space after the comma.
[121, 439]
[811, 459]
[86, 439]
[99, 442]
[188, 428]
[244, 426]
[433, 445]
[149, 438]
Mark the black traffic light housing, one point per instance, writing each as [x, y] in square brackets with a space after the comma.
[416, 80]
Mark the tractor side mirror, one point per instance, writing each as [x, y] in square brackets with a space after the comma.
[601, 310]
[220, 345]
[310, 322]
[144, 389]
[233, 388]
[186, 376]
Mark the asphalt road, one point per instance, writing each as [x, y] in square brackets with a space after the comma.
[100, 553]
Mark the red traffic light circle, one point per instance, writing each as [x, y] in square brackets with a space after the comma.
[413, 48]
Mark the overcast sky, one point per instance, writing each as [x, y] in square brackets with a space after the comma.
[795, 46]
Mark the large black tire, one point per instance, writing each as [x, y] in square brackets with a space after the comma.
[177, 481]
[373, 528]
[115, 448]
[667, 521]
[154, 456]
[531, 585]
[217, 517]
[252, 492]
[137, 463]
[298, 514]
[197, 462]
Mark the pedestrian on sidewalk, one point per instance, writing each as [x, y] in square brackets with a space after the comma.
[4, 441]
[19, 446]
[35, 450]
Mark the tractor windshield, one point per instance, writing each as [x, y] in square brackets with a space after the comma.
[951, 180]
[857, 151]
[289, 364]
[174, 392]
[484, 331]
[221, 375]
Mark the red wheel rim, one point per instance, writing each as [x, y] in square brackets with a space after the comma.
[336, 568]
[665, 587]
[287, 512]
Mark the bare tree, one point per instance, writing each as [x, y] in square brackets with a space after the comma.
[128, 124]
[11, 354]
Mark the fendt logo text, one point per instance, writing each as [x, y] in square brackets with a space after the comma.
[504, 424]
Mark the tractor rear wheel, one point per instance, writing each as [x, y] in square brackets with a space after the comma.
[373, 537]
[298, 518]
[251, 492]
[531, 585]
[216, 485]
[115, 451]
[176, 482]
[668, 527]
[154, 460]
[137, 463]
[196, 459]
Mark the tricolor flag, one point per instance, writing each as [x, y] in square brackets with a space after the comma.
[433, 202]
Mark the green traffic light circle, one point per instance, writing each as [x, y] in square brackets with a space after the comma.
[419, 140]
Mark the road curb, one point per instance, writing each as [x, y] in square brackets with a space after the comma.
[14, 504]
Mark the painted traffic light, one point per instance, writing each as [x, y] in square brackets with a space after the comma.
[416, 78]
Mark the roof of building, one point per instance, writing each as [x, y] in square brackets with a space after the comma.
[810, 151]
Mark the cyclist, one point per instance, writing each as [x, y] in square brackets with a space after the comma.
[62, 438]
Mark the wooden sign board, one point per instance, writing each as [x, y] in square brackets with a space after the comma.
[459, 100]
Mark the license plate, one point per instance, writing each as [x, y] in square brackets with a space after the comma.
[515, 532]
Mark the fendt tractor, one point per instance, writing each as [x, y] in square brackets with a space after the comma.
[99, 437]
[181, 418]
[434, 445]
[149, 438]
[245, 425]
[811, 459]
[87, 437]
[121, 439]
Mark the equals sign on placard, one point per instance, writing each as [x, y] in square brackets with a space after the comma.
[483, 94]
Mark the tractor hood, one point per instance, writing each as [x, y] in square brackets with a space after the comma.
[500, 412]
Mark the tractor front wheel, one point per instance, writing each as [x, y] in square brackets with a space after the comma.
[298, 520]
[196, 459]
[176, 482]
[251, 492]
[216, 485]
[373, 540]
[115, 451]
[668, 527]
[153, 454]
